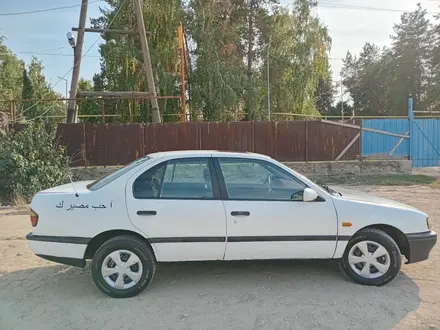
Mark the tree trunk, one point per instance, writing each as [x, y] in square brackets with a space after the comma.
[250, 49]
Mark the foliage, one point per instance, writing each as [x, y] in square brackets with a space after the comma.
[122, 66]
[295, 42]
[433, 93]
[219, 77]
[411, 49]
[325, 90]
[40, 89]
[18, 81]
[229, 42]
[11, 77]
[381, 80]
[299, 54]
[88, 107]
[27, 91]
[30, 162]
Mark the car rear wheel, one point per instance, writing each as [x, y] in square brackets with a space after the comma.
[123, 266]
[371, 257]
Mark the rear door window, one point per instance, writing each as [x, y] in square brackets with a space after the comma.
[188, 178]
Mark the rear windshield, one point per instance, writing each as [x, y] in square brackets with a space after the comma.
[98, 184]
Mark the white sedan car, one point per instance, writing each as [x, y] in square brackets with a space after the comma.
[210, 205]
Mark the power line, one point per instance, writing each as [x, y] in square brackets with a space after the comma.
[397, 61]
[44, 52]
[48, 54]
[50, 49]
[44, 10]
[71, 69]
[343, 6]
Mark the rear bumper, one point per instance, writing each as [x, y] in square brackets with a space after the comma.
[64, 250]
[420, 245]
[65, 261]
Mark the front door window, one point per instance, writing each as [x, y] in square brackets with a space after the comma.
[259, 180]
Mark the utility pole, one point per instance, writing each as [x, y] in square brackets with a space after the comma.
[182, 69]
[147, 62]
[268, 80]
[342, 100]
[71, 108]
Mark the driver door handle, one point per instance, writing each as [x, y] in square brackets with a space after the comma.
[237, 213]
[146, 212]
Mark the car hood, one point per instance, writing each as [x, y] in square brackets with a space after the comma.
[359, 196]
[80, 186]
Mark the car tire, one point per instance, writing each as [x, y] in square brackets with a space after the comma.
[112, 271]
[379, 265]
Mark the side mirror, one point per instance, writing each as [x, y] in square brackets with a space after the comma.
[309, 195]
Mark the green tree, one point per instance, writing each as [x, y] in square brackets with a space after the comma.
[411, 47]
[257, 15]
[89, 107]
[35, 86]
[325, 91]
[336, 110]
[11, 77]
[369, 79]
[229, 43]
[433, 95]
[299, 44]
[219, 79]
[18, 81]
[30, 162]
[380, 81]
[122, 67]
[27, 90]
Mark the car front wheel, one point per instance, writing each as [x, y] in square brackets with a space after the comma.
[371, 257]
[123, 266]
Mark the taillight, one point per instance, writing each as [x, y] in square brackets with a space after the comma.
[34, 218]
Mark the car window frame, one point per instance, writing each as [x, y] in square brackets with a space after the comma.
[213, 175]
[224, 190]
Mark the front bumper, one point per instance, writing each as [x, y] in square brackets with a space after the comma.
[420, 245]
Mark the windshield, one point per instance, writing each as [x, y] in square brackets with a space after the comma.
[113, 176]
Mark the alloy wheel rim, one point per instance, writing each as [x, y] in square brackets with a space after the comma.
[369, 259]
[121, 269]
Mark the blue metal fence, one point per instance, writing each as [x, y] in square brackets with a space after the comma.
[422, 146]
[380, 144]
[425, 142]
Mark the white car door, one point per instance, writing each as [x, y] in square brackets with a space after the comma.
[176, 204]
[266, 217]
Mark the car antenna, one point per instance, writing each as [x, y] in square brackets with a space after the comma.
[71, 181]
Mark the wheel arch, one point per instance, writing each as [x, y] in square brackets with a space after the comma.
[97, 241]
[395, 233]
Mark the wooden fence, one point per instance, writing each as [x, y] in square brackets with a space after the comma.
[119, 144]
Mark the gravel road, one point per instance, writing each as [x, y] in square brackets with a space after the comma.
[37, 294]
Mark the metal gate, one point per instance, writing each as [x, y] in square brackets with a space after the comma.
[414, 138]
[425, 138]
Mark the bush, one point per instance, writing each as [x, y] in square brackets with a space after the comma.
[30, 160]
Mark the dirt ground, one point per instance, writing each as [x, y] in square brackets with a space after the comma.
[37, 294]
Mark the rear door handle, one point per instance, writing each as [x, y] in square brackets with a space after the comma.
[237, 213]
[146, 212]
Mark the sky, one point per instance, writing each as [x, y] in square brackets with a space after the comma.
[33, 34]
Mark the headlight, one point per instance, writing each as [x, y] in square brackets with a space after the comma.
[428, 223]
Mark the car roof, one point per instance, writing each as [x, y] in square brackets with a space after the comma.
[214, 153]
